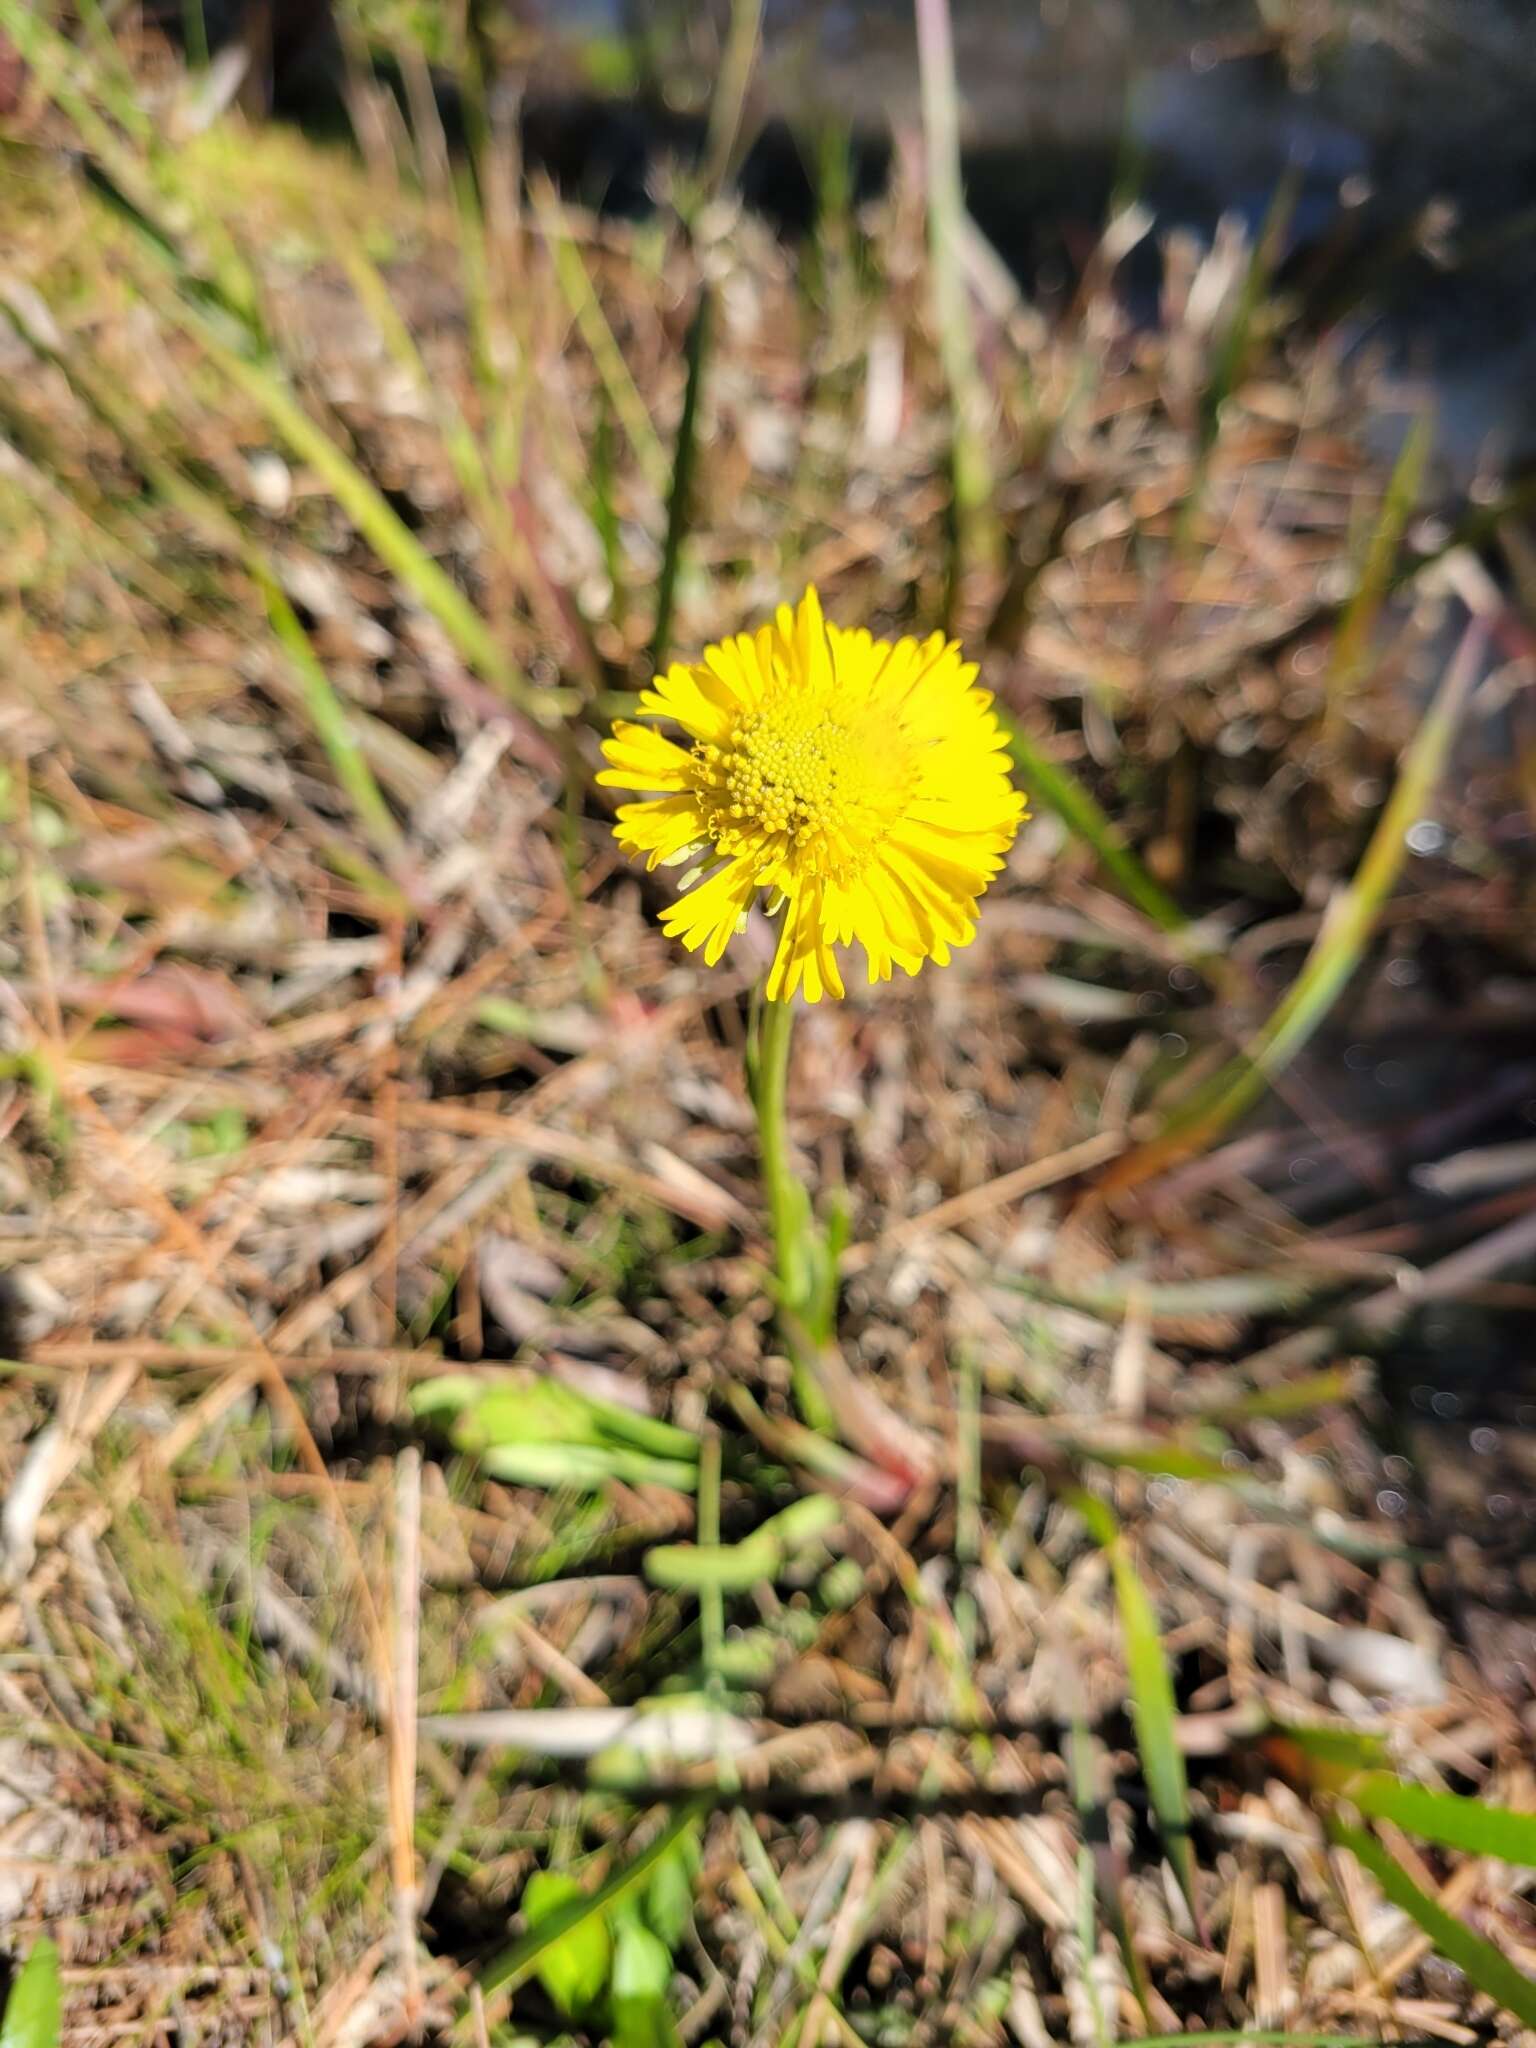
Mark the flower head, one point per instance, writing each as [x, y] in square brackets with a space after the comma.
[861, 784]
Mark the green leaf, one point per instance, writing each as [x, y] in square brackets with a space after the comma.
[642, 1977]
[1328, 1756]
[669, 1895]
[1444, 1817]
[445, 1394]
[333, 724]
[34, 2010]
[533, 1411]
[1478, 1960]
[1154, 1711]
[519, 1962]
[738, 1567]
[1351, 646]
[684, 460]
[1055, 784]
[574, 1968]
[585, 1465]
[1337, 950]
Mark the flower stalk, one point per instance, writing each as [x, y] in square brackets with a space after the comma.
[804, 1259]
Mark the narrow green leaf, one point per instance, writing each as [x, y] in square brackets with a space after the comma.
[629, 408]
[738, 1567]
[684, 461]
[1338, 948]
[34, 2011]
[1293, 1397]
[669, 1895]
[1443, 1817]
[519, 1962]
[574, 1967]
[1351, 647]
[585, 1465]
[327, 714]
[642, 1977]
[1154, 1710]
[1478, 1960]
[375, 519]
[1079, 811]
[1176, 1461]
[1333, 1753]
[978, 532]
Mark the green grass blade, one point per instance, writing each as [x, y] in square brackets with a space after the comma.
[1351, 647]
[1478, 1960]
[978, 535]
[1232, 353]
[1295, 1397]
[1339, 946]
[623, 393]
[34, 2010]
[517, 1963]
[1445, 1818]
[459, 443]
[375, 519]
[1154, 1711]
[328, 715]
[683, 466]
[203, 312]
[1056, 785]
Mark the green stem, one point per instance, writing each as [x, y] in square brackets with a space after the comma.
[788, 1208]
[776, 1029]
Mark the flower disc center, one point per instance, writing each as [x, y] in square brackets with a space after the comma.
[793, 772]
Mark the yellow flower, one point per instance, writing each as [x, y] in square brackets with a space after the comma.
[861, 783]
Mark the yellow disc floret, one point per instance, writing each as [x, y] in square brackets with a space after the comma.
[863, 783]
[793, 773]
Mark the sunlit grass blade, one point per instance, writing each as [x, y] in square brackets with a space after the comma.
[1232, 353]
[203, 313]
[375, 519]
[1115, 1294]
[1321, 1757]
[1351, 647]
[1444, 1817]
[516, 1965]
[459, 443]
[1154, 1710]
[34, 2010]
[1295, 1397]
[1479, 1961]
[683, 464]
[977, 531]
[1054, 784]
[1338, 948]
[328, 716]
[629, 407]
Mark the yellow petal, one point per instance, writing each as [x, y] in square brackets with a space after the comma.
[708, 915]
[659, 828]
[697, 700]
[641, 759]
[805, 958]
